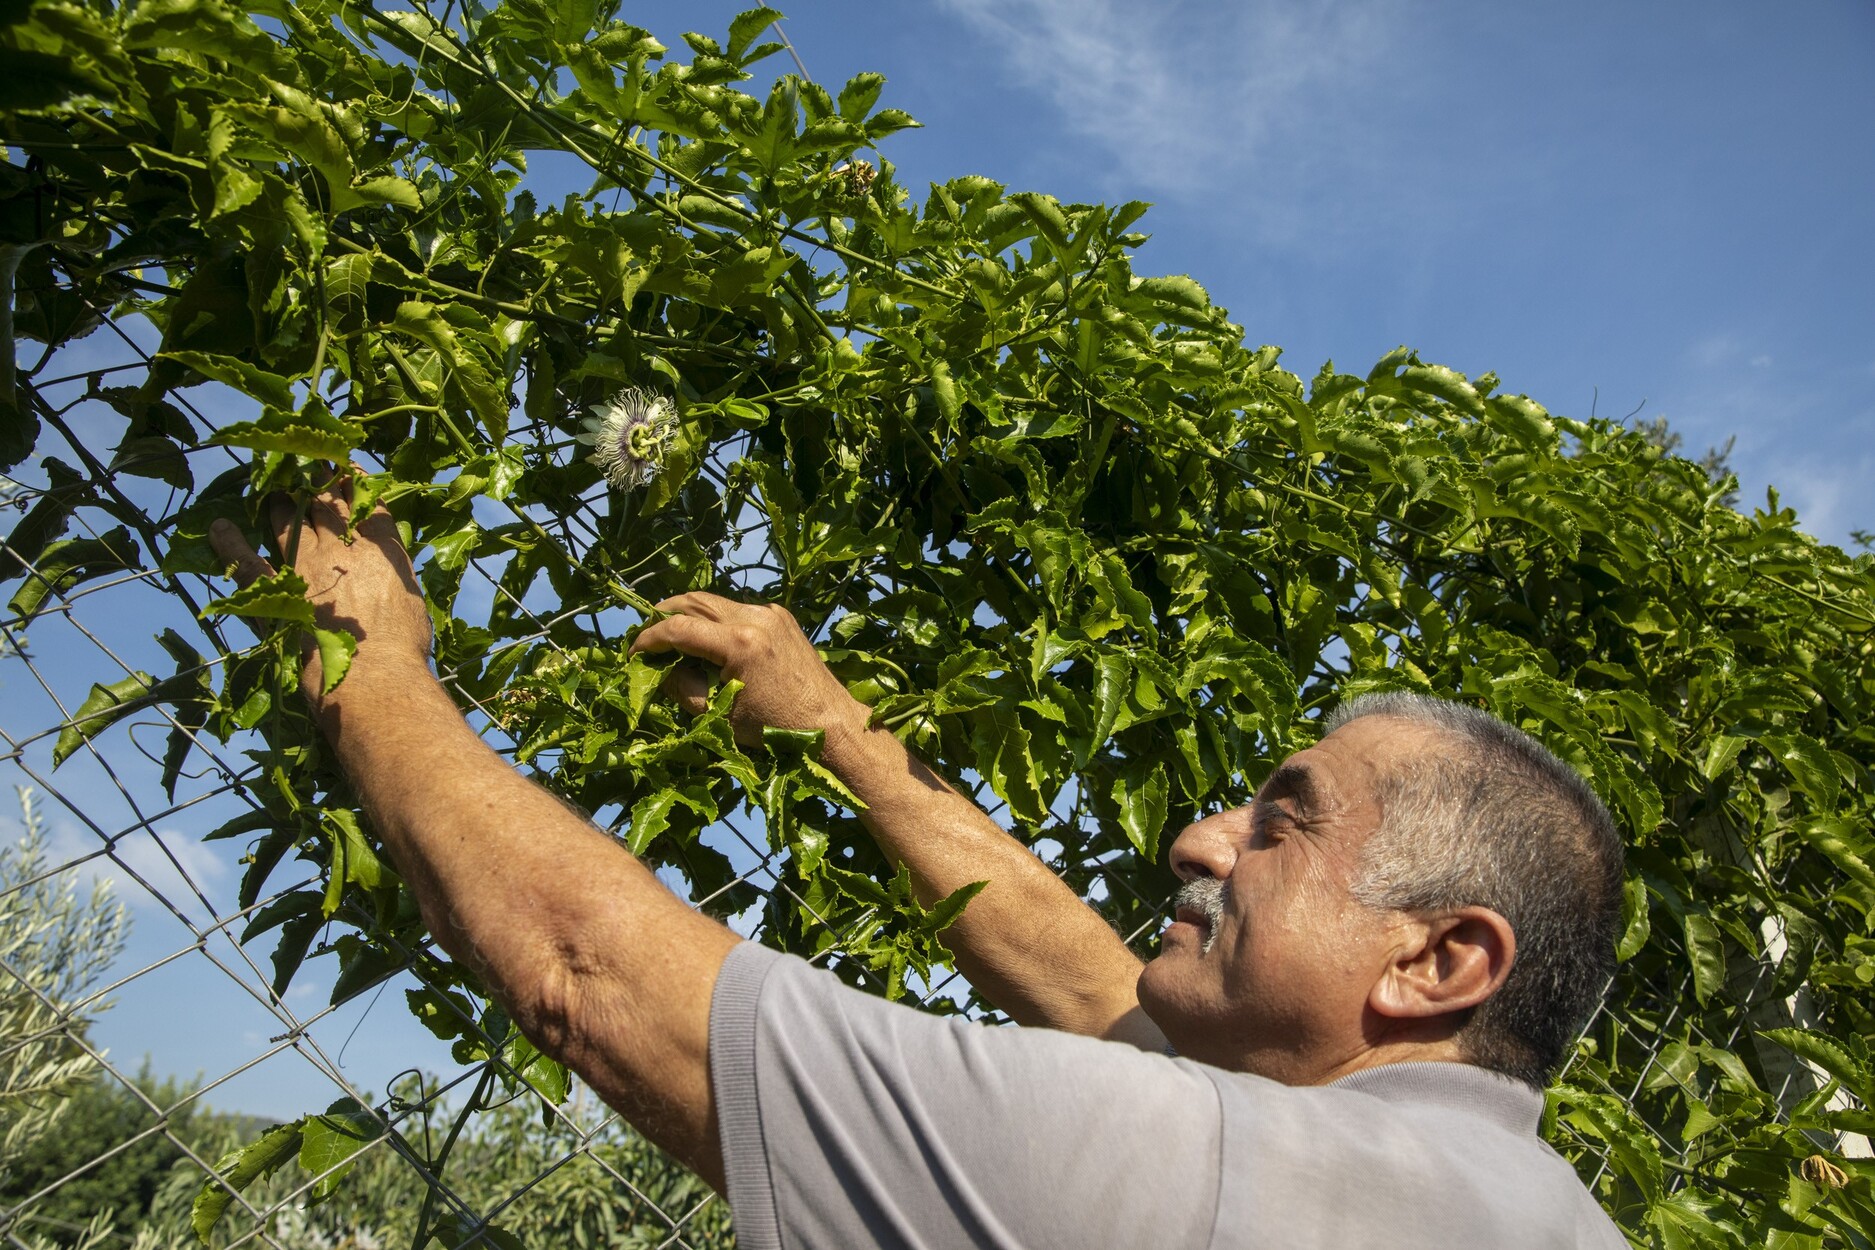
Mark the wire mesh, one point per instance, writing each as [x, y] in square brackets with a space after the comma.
[471, 1152]
[112, 819]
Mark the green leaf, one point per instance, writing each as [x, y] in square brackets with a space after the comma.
[1830, 1055]
[297, 932]
[45, 521]
[63, 565]
[446, 1013]
[354, 862]
[1443, 383]
[944, 390]
[1044, 212]
[860, 94]
[237, 1170]
[336, 649]
[1142, 809]
[744, 27]
[1809, 765]
[1636, 925]
[312, 432]
[1705, 949]
[277, 597]
[329, 1143]
[1179, 292]
[386, 190]
[103, 707]
[270, 389]
[889, 121]
[466, 1232]
[1523, 418]
[944, 913]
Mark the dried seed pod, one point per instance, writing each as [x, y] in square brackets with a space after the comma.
[1820, 1171]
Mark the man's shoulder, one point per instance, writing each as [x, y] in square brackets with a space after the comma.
[1421, 1153]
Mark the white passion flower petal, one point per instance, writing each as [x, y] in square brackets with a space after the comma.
[629, 435]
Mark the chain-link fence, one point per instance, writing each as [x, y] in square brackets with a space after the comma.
[432, 1143]
[307, 1089]
[440, 1146]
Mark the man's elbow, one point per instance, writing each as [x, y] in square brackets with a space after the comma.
[559, 995]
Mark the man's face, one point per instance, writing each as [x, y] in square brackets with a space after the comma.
[1278, 983]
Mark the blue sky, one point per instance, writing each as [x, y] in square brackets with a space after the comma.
[1668, 201]
[1608, 204]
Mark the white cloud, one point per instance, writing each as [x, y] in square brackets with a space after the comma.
[1187, 98]
[147, 870]
[1791, 427]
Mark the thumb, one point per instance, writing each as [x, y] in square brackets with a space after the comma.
[232, 548]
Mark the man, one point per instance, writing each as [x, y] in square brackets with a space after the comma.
[1372, 969]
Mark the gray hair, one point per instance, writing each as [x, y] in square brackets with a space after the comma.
[1498, 821]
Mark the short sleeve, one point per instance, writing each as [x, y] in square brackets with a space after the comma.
[849, 1121]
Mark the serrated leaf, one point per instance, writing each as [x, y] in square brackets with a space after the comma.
[1705, 950]
[860, 94]
[237, 1170]
[336, 649]
[329, 1143]
[311, 432]
[1636, 925]
[1044, 212]
[1443, 383]
[270, 389]
[1142, 802]
[277, 597]
[889, 121]
[103, 707]
[945, 912]
[745, 26]
[1180, 291]
[63, 565]
[1809, 765]
[1831, 1056]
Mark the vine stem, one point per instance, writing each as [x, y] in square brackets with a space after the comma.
[437, 1164]
[561, 125]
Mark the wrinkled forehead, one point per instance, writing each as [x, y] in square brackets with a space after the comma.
[1347, 770]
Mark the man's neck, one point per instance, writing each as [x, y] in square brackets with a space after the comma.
[1294, 1069]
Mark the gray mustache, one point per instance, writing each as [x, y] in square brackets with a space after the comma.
[1205, 895]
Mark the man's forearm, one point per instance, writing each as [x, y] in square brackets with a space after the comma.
[599, 964]
[1026, 941]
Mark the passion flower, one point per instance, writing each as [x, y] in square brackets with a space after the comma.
[629, 434]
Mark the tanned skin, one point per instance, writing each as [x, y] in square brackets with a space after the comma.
[1026, 941]
[597, 962]
[609, 972]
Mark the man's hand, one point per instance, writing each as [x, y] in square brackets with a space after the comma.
[785, 684]
[362, 584]
[601, 966]
[1026, 941]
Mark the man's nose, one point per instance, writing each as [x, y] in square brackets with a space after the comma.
[1205, 848]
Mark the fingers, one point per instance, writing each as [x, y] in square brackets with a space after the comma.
[232, 548]
[688, 635]
[701, 603]
[281, 516]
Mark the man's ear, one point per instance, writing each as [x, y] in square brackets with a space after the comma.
[1447, 961]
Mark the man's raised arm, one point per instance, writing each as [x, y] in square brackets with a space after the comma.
[599, 964]
[1026, 941]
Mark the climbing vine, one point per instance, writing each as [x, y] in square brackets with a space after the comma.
[1070, 536]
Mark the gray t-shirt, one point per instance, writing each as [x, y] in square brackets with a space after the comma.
[849, 1122]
